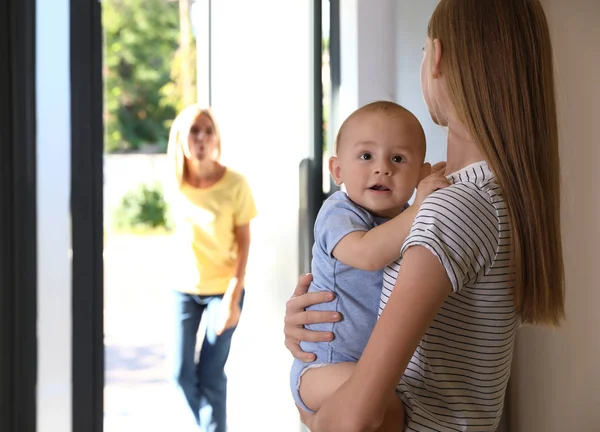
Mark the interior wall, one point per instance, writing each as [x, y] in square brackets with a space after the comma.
[555, 384]
[367, 39]
[381, 55]
[411, 30]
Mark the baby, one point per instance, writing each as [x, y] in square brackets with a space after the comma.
[380, 152]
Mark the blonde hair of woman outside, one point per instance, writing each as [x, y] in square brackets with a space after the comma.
[178, 137]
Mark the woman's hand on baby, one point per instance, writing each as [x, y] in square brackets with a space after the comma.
[296, 317]
[432, 179]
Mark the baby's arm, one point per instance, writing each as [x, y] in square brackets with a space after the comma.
[374, 249]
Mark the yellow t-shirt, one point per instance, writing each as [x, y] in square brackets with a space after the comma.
[204, 230]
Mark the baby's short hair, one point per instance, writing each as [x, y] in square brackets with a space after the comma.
[386, 108]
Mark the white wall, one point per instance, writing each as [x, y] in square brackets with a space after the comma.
[411, 24]
[381, 55]
[367, 39]
[556, 383]
[53, 224]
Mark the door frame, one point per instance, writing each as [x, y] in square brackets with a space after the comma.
[87, 149]
[18, 219]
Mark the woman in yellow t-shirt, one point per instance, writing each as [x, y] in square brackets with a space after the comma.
[212, 208]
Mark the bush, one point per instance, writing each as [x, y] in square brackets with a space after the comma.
[143, 209]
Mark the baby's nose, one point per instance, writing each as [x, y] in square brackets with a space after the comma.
[384, 169]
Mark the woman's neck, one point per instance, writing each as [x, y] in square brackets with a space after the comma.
[204, 175]
[462, 149]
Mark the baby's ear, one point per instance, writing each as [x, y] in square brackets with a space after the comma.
[336, 170]
[425, 171]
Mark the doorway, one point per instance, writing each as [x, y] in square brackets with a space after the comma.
[266, 89]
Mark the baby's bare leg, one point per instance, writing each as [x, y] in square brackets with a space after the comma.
[318, 384]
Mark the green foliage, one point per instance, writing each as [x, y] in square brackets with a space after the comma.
[141, 38]
[172, 92]
[143, 209]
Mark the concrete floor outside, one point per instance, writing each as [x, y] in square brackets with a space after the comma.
[138, 395]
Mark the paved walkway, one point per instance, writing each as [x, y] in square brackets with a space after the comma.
[138, 396]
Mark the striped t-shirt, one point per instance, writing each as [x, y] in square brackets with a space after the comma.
[456, 379]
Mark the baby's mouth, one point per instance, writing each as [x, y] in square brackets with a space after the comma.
[379, 187]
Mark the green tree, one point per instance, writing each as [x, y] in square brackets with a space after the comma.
[181, 90]
[141, 39]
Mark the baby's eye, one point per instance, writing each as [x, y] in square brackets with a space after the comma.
[397, 159]
[366, 156]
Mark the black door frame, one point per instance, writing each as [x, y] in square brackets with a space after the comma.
[311, 168]
[86, 213]
[18, 222]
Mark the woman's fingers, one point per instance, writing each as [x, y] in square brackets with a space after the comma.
[310, 317]
[292, 342]
[311, 336]
[301, 302]
[439, 183]
[436, 178]
[297, 334]
[438, 167]
[297, 353]
[296, 317]
[302, 286]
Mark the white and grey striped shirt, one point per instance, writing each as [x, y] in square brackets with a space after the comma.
[456, 379]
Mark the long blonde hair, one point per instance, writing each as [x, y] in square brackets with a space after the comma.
[498, 65]
[178, 138]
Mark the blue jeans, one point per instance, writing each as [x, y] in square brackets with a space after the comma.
[204, 384]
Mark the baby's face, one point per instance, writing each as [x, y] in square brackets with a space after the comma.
[379, 160]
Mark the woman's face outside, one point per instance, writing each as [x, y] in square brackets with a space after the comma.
[202, 144]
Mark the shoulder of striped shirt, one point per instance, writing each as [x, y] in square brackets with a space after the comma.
[469, 194]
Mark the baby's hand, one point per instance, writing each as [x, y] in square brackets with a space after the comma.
[433, 181]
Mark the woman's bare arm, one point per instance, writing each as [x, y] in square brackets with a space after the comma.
[242, 239]
[421, 288]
